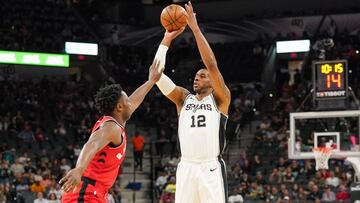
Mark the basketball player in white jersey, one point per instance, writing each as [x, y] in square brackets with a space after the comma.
[201, 173]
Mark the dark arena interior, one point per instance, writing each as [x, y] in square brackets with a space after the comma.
[293, 120]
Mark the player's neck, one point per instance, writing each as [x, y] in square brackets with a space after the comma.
[201, 95]
[119, 119]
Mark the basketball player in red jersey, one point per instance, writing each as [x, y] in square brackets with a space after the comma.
[99, 161]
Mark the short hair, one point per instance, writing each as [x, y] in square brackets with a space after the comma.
[107, 97]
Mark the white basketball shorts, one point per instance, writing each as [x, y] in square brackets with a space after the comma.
[201, 181]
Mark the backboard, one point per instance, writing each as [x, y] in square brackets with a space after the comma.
[336, 129]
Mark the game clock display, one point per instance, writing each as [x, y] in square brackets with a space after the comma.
[330, 79]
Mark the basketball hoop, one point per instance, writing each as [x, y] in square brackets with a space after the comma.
[322, 155]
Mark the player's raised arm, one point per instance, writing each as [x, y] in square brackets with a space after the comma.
[108, 133]
[221, 91]
[137, 97]
[175, 93]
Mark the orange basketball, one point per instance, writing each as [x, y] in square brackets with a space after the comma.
[173, 17]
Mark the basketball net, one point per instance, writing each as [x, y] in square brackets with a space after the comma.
[322, 155]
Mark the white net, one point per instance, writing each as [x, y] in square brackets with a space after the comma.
[322, 155]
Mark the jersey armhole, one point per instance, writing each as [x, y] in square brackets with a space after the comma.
[216, 107]
[111, 145]
[187, 96]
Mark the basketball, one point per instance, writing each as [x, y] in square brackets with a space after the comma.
[173, 17]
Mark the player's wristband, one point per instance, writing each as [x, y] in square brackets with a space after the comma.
[165, 84]
[161, 55]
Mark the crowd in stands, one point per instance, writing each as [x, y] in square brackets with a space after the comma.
[39, 25]
[235, 60]
[43, 125]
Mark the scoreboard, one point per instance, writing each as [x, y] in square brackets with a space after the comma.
[330, 79]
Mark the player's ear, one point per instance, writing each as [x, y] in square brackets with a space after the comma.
[119, 105]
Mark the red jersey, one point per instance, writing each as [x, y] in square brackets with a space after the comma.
[101, 172]
[104, 167]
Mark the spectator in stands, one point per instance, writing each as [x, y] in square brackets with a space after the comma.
[235, 172]
[303, 194]
[342, 194]
[260, 178]
[168, 195]
[245, 179]
[309, 168]
[53, 198]
[77, 151]
[27, 135]
[295, 168]
[45, 182]
[38, 175]
[160, 182]
[37, 188]
[22, 186]
[60, 131]
[281, 165]
[315, 194]
[64, 166]
[273, 196]
[138, 141]
[256, 163]
[57, 191]
[332, 180]
[256, 191]
[328, 195]
[40, 136]
[24, 158]
[286, 199]
[235, 197]
[344, 179]
[275, 177]
[288, 177]
[294, 192]
[17, 167]
[40, 198]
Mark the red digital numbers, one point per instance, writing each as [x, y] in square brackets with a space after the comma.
[333, 79]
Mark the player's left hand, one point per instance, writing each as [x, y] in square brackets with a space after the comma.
[71, 180]
[191, 17]
[155, 71]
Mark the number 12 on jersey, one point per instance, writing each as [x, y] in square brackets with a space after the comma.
[198, 121]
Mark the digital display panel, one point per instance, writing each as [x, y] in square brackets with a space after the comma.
[330, 79]
[33, 58]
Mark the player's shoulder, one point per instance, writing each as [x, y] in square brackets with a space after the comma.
[112, 125]
[188, 97]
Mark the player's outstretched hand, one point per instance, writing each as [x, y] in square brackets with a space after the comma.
[155, 71]
[191, 17]
[71, 180]
[173, 34]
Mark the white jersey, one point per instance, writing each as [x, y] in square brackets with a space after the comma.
[201, 129]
